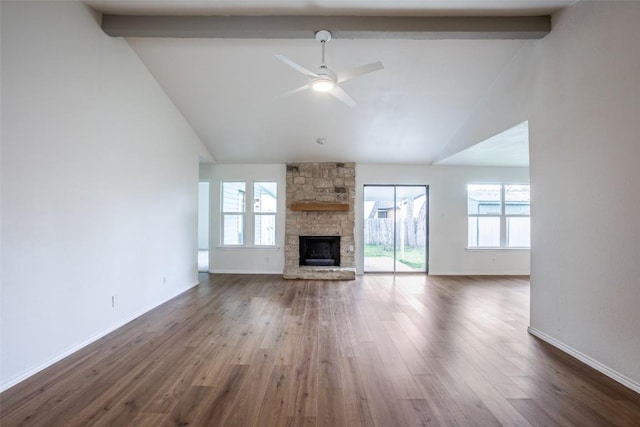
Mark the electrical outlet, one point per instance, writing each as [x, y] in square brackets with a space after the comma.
[113, 301]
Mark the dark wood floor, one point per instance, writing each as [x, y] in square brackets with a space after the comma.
[382, 350]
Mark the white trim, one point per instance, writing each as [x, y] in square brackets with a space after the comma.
[225, 271]
[483, 273]
[497, 248]
[247, 248]
[13, 381]
[611, 373]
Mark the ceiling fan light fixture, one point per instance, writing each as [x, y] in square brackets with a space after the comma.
[323, 84]
[326, 80]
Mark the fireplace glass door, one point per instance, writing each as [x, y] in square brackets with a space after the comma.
[395, 228]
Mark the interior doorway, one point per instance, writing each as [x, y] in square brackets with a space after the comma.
[204, 188]
[396, 228]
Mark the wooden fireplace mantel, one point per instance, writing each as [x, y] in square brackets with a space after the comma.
[320, 207]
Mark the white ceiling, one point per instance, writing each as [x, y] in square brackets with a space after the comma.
[228, 88]
[508, 148]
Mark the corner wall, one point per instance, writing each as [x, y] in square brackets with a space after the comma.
[99, 181]
[584, 151]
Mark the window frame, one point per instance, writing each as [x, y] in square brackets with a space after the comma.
[503, 218]
[504, 232]
[248, 214]
[273, 213]
[224, 214]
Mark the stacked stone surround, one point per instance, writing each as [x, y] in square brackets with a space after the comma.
[320, 183]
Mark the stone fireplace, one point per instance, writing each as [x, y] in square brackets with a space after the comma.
[319, 230]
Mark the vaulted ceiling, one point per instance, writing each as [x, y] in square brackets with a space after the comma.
[229, 88]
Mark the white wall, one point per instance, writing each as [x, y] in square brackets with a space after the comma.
[99, 186]
[204, 204]
[447, 215]
[585, 148]
[506, 103]
[246, 259]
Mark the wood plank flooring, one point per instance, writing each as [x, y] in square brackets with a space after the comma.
[378, 351]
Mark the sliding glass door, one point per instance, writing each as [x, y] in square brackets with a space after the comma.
[395, 228]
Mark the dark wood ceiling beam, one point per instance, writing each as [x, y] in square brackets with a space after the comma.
[341, 27]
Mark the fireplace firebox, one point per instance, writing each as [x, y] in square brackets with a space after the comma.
[320, 250]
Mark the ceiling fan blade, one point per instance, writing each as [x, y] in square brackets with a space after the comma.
[339, 93]
[345, 75]
[296, 90]
[295, 66]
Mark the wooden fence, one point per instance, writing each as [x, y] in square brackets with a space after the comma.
[379, 231]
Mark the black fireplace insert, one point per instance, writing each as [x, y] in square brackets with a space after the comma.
[320, 250]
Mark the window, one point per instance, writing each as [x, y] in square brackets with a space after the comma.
[264, 210]
[234, 209]
[517, 209]
[498, 215]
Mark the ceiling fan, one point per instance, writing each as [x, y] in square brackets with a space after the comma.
[325, 79]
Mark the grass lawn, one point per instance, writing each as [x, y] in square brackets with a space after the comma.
[413, 257]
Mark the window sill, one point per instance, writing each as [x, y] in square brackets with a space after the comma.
[260, 248]
[496, 249]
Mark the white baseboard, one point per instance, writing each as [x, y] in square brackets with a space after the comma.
[23, 376]
[613, 374]
[244, 272]
[484, 273]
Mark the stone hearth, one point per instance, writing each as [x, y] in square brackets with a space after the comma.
[320, 201]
